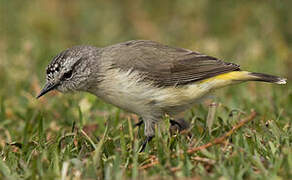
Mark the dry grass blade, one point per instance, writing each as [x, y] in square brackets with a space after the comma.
[153, 162]
[221, 139]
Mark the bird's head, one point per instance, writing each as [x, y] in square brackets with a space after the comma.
[69, 70]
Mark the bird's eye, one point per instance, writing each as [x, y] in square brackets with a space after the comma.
[67, 75]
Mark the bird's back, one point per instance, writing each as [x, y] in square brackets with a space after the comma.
[164, 65]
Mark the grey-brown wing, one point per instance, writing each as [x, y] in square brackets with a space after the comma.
[168, 66]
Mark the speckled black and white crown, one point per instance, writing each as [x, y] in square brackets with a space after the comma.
[56, 64]
[67, 59]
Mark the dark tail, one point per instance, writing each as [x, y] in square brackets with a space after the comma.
[267, 78]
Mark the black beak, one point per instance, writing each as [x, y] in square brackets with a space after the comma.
[48, 87]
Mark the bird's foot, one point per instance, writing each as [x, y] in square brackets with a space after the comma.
[175, 123]
[138, 124]
[146, 141]
[179, 124]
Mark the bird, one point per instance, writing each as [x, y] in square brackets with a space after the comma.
[145, 77]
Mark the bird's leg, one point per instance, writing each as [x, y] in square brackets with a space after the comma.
[180, 124]
[149, 131]
[148, 139]
[138, 124]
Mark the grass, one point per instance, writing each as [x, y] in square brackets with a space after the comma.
[63, 138]
[78, 136]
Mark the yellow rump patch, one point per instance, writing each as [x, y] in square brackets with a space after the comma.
[234, 75]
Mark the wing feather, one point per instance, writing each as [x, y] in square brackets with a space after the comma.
[167, 66]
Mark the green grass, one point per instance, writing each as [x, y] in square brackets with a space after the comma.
[46, 144]
[77, 136]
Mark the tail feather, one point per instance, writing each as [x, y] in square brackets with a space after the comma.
[267, 78]
[235, 77]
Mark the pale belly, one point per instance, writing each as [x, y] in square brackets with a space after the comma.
[128, 93]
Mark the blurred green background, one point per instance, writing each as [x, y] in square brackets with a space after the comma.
[255, 34]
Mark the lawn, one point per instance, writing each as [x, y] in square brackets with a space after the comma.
[78, 136]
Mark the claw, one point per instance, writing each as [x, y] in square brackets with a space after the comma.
[148, 139]
[138, 124]
[180, 124]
